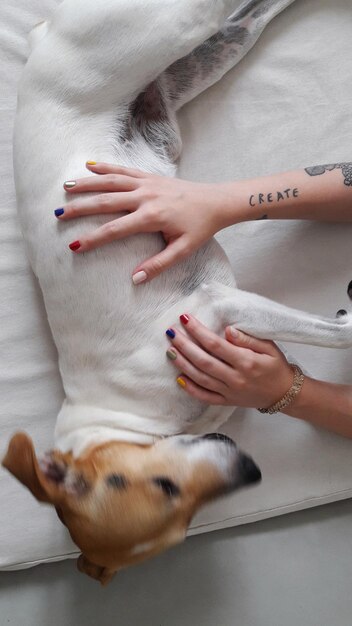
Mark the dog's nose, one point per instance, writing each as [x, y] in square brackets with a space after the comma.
[249, 471]
[219, 437]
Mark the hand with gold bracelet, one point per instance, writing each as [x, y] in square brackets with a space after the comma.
[237, 370]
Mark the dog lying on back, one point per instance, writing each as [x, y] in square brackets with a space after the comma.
[132, 461]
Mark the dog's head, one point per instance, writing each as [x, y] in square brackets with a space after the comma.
[122, 502]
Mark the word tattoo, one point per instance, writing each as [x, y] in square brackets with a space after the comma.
[263, 198]
[346, 168]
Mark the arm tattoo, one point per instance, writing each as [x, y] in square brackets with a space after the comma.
[272, 197]
[346, 168]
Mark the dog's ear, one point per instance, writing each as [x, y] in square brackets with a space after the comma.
[22, 462]
[102, 574]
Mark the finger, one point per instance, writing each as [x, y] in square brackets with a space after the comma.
[199, 358]
[109, 168]
[203, 395]
[111, 231]
[197, 376]
[209, 341]
[92, 205]
[242, 340]
[176, 251]
[105, 182]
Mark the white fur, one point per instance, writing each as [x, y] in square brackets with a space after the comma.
[86, 67]
[140, 548]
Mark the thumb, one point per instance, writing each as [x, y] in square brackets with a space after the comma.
[240, 339]
[172, 254]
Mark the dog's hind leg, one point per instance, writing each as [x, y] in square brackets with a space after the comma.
[208, 63]
[267, 319]
[133, 41]
[154, 109]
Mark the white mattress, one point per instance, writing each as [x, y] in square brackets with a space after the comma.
[287, 105]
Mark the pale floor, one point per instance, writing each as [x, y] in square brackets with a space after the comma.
[288, 571]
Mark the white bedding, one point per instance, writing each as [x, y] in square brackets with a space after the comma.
[287, 105]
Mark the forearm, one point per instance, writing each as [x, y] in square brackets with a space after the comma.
[325, 405]
[322, 193]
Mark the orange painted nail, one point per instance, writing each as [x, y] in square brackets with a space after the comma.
[181, 382]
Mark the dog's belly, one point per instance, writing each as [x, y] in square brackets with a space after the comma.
[110, 335]
[111, 338]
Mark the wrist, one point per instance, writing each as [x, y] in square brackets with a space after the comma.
[296, 383]
[236, 206]
[304, 400]
[326, 405]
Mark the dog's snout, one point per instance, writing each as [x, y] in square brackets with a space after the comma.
[219, 437]
[249, 471]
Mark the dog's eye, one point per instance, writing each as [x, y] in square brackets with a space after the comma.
[117, 481]
[168, 487]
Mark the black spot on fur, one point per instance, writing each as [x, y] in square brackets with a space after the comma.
[236, 34]
[149, 117]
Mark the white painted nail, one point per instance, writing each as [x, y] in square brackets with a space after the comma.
[139, 277]
[69, 184]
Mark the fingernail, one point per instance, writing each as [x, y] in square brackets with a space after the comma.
[69, 184]
[184, 319]
[91, 162]
[172, 355]
[171, 333]
[234, 332]
[74, 245]
[59, 212]
[139, 277]
[181, 382]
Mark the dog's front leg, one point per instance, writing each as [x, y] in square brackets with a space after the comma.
[208, 63]
[267, 319]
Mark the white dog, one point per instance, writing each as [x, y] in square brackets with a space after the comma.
[105, 80]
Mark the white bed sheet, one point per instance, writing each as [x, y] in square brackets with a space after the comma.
[287, 105]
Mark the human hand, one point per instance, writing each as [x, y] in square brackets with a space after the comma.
[238, 370]
[186, 213]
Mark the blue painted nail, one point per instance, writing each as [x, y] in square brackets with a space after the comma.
[59, 212]
[171, 333]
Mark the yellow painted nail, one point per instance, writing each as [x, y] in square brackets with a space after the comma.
[181, 382]
[91, 162]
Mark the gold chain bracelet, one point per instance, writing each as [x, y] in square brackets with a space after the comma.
[298, 380]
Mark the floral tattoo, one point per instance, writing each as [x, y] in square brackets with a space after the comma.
[346, 168]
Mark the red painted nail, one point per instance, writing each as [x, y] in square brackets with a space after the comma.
[184, 319]
[74, 245]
